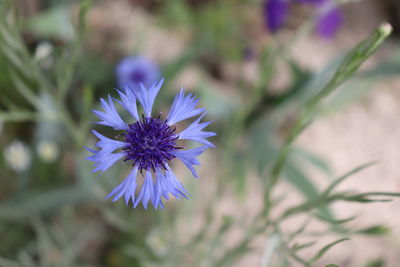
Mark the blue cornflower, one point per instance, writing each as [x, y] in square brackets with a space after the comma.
[136, 70]
[150, 143]
[328, 21]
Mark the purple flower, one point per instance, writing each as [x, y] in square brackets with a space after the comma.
[149, 143]
[135, 70]
[329, 19]
[328, 22]
[275, 13]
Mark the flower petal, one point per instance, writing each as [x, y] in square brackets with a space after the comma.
[177, 189]
[183, 108]
[158, 188]
[110, 116]
[118, 191]
[275, 14]
[194, 132]
[146, 96]
[127, 188]
[104, 160]
[129, 102]
[188, 157]
[107, 144]
[131, 186]
[329, 22]
[166, 184]
[147, 191]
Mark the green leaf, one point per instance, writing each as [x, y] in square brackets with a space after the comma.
[239, 171]
[87, 104]
[347, 175]
[325, 249]
[364, 197]
[267, 102]
[24, 206]
[374, 230]
[261, 150]
[267, 66]
[17, 116]
[297, 247]
[16, 61]
[297, 178]
[299, 231]
[53, 23]
[177, 13]
[44, 241]
[350, 64]
[83, 10]
[24, 90]
[376, 263]
[332, 221]
[314, 160]
[346, 196]
[8, 263]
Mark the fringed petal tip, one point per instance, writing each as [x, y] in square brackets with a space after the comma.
[195, 132]
[147, 96]
[110, 116]
[151, 192]
[188, 157]
[183, 107]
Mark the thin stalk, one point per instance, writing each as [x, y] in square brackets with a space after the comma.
[348, 67]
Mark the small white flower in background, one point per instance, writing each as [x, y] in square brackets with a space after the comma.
[48, 151]
[43, 50]
[156, 243]
[18, 156]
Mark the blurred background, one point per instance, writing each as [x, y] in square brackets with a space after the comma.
[253, 64]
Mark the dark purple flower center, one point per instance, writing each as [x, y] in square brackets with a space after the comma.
[151, 141]
[137, 76]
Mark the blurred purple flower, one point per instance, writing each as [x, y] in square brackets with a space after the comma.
[135, 70]
[275, 13]
[328, 21]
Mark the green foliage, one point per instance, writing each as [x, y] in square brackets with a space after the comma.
[56, 213]
[325, 249]
[349, 65]
[55, 23]
[376, 263]
[374, 230]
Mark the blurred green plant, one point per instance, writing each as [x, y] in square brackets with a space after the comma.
[58, 218]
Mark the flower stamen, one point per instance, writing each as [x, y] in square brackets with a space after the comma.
[151, 141]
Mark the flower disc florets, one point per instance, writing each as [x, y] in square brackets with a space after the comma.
[151, 141]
